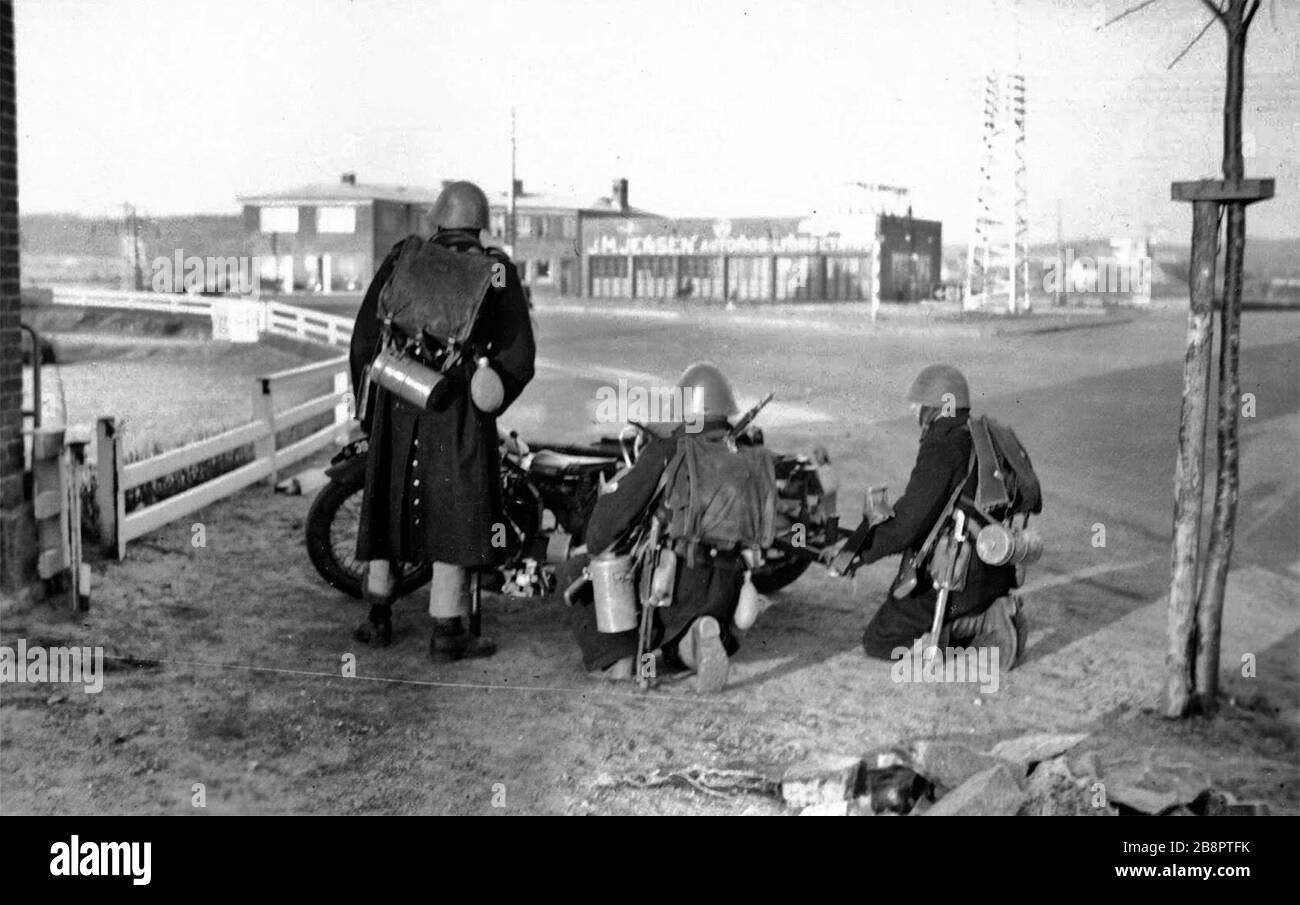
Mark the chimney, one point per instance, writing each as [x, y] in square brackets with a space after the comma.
[619, 194]
[348, 179]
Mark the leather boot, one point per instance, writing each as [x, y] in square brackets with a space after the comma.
[995, 627]
[702, 651]
[618, 671]
[451, 642]
[377, 630]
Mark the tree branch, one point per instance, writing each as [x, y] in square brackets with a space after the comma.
[1245, 23]
[1127, 12]
[1214, 8]
[1188, 48]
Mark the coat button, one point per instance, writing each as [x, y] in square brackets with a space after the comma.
[415, 463]
[415, 503]
[416, 482]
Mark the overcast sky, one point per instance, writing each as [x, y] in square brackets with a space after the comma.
[709, 108]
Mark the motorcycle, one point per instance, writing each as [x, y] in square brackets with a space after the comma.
[548, 492]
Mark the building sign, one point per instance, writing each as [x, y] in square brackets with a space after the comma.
[723, 245]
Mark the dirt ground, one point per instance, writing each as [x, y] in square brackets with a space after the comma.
[230, 656]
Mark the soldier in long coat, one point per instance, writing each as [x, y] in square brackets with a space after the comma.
[433, 489]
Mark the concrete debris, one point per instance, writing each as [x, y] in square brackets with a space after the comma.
[1054, 790]
[1086, 764]
[1150, 783]
[949, 764]
[1036, 747]
[994, 792]
[821, 779]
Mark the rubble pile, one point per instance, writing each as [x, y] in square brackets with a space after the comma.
[1031, 775]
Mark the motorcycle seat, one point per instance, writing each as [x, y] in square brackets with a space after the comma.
[550, 461]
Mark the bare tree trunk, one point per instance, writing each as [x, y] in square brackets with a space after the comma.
[1209, 609]
[1189, 481]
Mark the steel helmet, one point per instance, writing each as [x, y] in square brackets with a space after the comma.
[707, 392]
[937, 381]
[460, 205]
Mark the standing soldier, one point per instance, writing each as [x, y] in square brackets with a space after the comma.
[433, 490]
[983, 613]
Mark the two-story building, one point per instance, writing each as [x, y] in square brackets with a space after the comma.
[331, 237]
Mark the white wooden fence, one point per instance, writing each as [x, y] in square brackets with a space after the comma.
[270, 416]
[275, 317]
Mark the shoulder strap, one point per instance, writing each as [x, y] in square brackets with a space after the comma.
[933, 536]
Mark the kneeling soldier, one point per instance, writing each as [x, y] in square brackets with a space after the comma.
[983, 612]
[706, 557]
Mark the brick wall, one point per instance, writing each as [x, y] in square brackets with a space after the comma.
[17, 544]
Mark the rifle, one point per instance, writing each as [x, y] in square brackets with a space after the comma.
[955, 564]
[748, 418]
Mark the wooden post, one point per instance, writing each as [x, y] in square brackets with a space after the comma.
[264, 411]
[49, 504]
[109, 498]
[1188, 477]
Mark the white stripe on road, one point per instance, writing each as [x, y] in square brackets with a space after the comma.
[1092, 571]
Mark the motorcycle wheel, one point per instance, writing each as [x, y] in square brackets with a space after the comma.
[777, 573]
[332, 542]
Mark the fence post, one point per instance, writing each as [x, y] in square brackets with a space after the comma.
[49, 504]
[109, 499]
[264, 411]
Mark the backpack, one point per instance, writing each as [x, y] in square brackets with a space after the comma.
[435, 294]
[720, 495]
[1007, 484]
